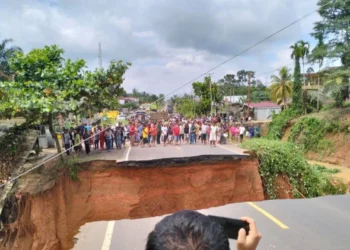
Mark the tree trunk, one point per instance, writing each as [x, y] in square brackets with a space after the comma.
[53, 133]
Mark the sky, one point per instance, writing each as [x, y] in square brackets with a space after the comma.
[169, 42]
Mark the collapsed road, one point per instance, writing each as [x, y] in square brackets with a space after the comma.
[53, 209]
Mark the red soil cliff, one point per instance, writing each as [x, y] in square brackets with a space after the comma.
[50, 219]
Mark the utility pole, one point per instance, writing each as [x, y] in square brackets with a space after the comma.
[248, 110]
[211, 95]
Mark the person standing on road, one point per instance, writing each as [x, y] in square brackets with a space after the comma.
[176, 134]
[182, 131]
[159, 132]
[66, 141]
[204, 133]
[170, 134]
[145, 136]
[86, 136]
[153, 133]
[193, 133]
[186, 132]
[108, 137]
[165, 134]
[132, 134]
[213, 134]
[96, 138]
[241, 132]
[77, 141]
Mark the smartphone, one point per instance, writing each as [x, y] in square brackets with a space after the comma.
[231, 226]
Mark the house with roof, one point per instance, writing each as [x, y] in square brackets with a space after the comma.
[263, 110]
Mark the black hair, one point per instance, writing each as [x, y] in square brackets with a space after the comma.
[187, 230]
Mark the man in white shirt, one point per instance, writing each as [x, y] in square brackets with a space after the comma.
[182, 133]
[164, 133]
[241, 132]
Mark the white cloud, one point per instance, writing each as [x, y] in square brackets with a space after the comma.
[169, 44]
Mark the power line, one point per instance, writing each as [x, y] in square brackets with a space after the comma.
[247, 49]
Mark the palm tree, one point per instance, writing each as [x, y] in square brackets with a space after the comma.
[281, 87]
[297, 89]
[304, 50]
[5, 56]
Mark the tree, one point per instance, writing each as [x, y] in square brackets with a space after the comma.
[333, 35]
[207, 91]
[333, 29]
[297, 88]
[317, 56]
[310, 70]
[6, 53]
[281, 87]
[304, 52]
[45, 85]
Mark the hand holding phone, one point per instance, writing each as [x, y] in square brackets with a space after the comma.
[251, 241]
[231, 226]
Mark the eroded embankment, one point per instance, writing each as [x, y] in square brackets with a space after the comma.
[110, 191]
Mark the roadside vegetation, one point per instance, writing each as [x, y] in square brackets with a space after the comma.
[278, 158]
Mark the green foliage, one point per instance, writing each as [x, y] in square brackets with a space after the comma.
[130, 105]
[323, 169]
[6, 53]
[309, 132]
[12, 147]
[297, 53]
[206, 91]
[281, 87]
[46, 84]
[333, 28]
[286, 159]
[145, 97]
[73, 169]
[279, 123]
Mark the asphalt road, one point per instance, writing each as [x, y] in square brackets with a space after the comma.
[321, 223]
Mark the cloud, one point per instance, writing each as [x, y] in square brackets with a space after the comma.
[169, 43]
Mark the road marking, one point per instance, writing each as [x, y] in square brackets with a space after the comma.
[178, 148]
[127, 154]
[108, 237]
[271, 217]
[109, 231]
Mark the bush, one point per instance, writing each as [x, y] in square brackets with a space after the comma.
[309, 132]
[279, 123]
[287, 159]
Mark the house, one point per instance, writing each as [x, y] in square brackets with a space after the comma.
[263, 110]
[128, 99]
[315, 80]
[234, 98]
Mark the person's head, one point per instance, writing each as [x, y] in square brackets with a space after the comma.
[187, 230]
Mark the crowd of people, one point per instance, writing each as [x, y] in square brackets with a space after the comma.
[173, 131]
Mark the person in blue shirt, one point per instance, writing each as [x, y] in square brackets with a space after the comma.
[88, 128]
[251, 130]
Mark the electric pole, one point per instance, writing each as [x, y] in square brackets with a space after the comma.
[248, 110]
[211, 95]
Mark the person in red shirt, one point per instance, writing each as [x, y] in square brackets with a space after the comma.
[153, 132]
[176, 132]
[132, 131]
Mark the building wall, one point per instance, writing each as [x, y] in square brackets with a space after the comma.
[265, 113]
